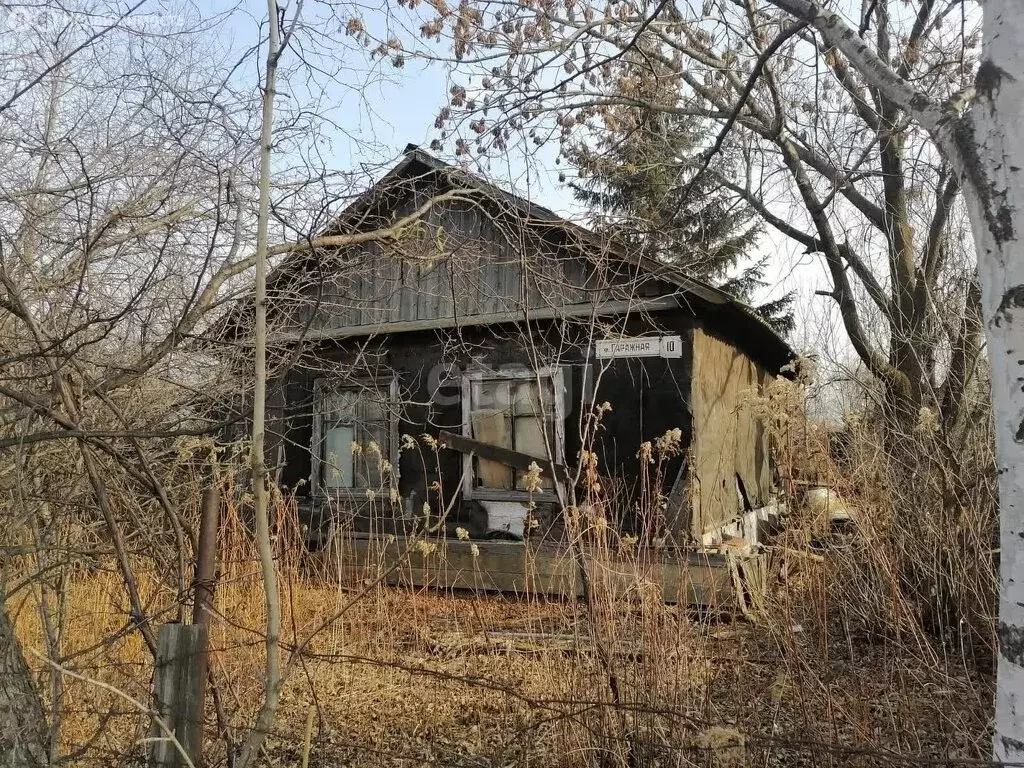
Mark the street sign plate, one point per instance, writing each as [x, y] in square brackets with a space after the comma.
[642, 346]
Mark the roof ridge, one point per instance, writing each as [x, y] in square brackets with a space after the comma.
[413, 153]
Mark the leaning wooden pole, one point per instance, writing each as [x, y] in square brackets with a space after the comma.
[206, 556]
[205, 582]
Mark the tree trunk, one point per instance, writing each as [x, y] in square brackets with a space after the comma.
[992, 157]
[23, 733]
[268, 568]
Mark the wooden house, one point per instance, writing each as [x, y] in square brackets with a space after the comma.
[492, 365]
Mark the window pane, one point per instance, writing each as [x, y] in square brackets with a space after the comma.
[354, 417]
[368, 474]
[528, 401]
[371, 407]
[530, 439]
[340, 407]
[491, 394]
[337, 457]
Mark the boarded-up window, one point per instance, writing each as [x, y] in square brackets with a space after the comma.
[514, 413]
[352, 437]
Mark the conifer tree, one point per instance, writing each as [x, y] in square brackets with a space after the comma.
[644, 176]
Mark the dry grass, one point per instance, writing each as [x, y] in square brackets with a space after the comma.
[874, 650]
[420, 677]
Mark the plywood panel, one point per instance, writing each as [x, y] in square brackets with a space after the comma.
[730, 447]
[492, 426]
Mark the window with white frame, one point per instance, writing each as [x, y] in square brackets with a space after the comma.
[519, 410]
[353, 437]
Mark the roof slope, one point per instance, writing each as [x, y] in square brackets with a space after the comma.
[389, 314]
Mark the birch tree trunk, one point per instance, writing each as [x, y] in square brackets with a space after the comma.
[993, 163]
[268, 712]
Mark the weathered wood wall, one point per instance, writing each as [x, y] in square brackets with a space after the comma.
[648, 397]
[460, 262]
[730, 449]
[703, 579]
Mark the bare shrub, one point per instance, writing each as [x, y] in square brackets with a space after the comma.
[901, 528]
[842, 664]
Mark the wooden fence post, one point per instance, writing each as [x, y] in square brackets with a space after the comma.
[176, 684]
[205, 581]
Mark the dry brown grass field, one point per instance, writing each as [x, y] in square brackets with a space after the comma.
[420, 677]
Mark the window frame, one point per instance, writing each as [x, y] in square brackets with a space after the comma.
[557, 376]
[327, 385]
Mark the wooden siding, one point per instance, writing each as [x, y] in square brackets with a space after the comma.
[460, 263]
[729, 445]
[688, 578]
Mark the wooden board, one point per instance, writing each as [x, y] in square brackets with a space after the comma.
[491, 426]
[177, 692]
[703, 579]
[730, 446]
[503, 456]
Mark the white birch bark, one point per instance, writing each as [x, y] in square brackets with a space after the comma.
[992, 155]
[272, 682]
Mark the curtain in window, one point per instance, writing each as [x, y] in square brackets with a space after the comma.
[355, 439]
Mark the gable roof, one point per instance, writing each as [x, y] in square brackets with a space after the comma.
[416, 161]
[732, 318]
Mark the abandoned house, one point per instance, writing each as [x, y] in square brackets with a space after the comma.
[490, 365]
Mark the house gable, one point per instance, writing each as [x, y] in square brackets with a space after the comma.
[476, 259]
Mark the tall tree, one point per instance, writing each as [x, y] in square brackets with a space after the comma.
[261, 491]
[828, 161]
[640, 169]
